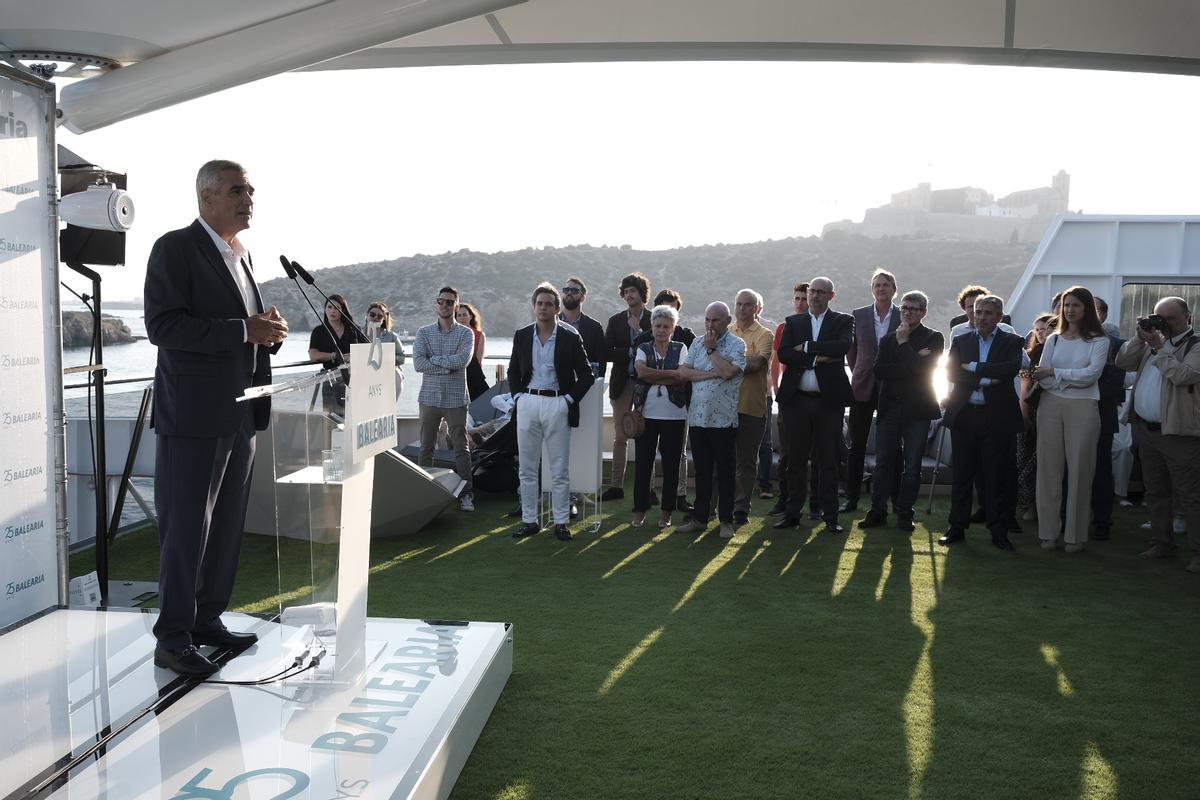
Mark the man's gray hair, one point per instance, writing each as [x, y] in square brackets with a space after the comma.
[209, 176]
[993, 301]
[919, 298]
[758, 298]
[668, 312]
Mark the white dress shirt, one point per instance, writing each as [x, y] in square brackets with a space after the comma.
[233, 257]
[808, 378]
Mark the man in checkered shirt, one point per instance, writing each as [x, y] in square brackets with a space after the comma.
[441, 353]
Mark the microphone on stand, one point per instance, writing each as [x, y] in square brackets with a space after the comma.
[308, 278]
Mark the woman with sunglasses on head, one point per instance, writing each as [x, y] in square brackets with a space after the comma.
[469, 315]
[379, 314]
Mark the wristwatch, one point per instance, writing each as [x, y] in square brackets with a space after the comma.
[711, 350]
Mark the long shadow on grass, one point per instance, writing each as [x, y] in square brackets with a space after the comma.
[1046, 673]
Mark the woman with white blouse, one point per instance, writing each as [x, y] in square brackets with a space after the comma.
[662, 397]
[1068, 419]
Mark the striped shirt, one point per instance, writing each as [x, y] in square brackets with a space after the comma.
[442, 357]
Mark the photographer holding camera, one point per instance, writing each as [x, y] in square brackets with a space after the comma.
[1164, 410]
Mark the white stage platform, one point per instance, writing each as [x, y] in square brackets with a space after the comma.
[87, 714]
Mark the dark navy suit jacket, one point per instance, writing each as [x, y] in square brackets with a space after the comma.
[837, 334]
[571, 366]
[1002, 365]
[194, 315]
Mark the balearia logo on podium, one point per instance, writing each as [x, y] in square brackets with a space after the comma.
[371, 400]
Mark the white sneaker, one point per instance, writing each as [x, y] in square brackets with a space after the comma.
[726, 530]
[466, 502]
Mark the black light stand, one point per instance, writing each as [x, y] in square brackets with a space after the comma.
[100, 475]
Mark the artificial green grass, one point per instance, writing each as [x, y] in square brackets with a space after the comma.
[797, 663]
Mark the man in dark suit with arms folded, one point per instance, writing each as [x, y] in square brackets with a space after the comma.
[548, 374]
[984, 418]
[813, 395]
[205, 315]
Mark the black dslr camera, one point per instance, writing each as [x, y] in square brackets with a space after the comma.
[1154, 322]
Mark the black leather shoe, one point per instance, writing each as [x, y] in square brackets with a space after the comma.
[223, 637]
[1012, 526]
[613, 493]
[562, 533]
[682, 504]
[979, 516]
[873, 519]
[904, 522]
[814, 513]
[740, 518]
[1001, 541]
[953, 536]
[848, 507]
[777, 509]
[526, 529]
[787, 521]
[186, 661]
[833, 526]
[1102, 534]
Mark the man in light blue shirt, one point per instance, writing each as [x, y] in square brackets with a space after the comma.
[714, 365]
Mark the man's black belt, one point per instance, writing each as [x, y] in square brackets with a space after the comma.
[545, 392]
[1151, 426]
[809, 394]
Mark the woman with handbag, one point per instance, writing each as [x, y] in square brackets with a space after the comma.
[1068, 419]
[1027, 441]
[660, 396]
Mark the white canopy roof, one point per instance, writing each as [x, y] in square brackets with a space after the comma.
[172, 50]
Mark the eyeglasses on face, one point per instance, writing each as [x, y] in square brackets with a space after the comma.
[374, 314]
[446, 301]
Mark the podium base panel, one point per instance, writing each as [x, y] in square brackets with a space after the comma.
[98, 719]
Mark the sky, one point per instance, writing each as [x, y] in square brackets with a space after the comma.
[376, 164]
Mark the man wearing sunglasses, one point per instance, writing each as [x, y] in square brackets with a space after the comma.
[441, 353]
[574, 295]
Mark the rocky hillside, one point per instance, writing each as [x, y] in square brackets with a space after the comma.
[77, 330]
[499, 284]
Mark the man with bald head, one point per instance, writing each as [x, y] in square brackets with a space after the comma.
[813, 395]
[1164, 411]
[714, 365]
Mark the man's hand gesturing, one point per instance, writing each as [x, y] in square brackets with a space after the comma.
[267, 328]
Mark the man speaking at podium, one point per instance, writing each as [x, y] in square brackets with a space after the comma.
[205, 315]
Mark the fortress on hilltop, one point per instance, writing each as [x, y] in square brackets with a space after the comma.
[966, 212]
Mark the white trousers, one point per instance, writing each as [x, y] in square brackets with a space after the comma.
[543, 431]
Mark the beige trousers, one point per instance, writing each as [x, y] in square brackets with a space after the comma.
[1067, 431]
[620, 404]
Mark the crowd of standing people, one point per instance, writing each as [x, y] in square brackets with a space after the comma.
[1031, 418]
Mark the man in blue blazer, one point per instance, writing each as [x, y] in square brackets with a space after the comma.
[984, 418]
[548, 374]
[813, 394]
[205, 315]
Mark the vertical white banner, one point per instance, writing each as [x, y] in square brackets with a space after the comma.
[28, 379]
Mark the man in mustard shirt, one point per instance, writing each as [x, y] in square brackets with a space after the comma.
[752, 397]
